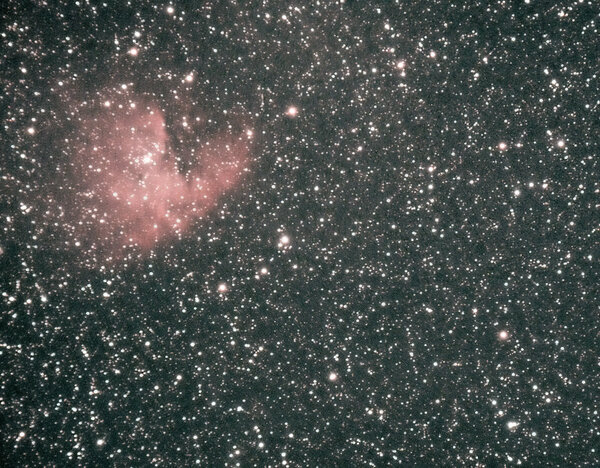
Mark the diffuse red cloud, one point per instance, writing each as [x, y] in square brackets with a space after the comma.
[131, 194]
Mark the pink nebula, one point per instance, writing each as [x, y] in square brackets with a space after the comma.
[130, 191]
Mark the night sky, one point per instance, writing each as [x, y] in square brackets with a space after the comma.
[245, 233]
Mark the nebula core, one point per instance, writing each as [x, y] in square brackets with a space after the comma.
[130, 191]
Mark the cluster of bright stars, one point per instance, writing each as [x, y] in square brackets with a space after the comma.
[503, 146]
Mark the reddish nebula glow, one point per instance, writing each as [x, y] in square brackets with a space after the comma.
[131, 194]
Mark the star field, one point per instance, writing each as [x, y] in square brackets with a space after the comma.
[329, 233]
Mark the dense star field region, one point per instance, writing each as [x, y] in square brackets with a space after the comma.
[328, 233]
